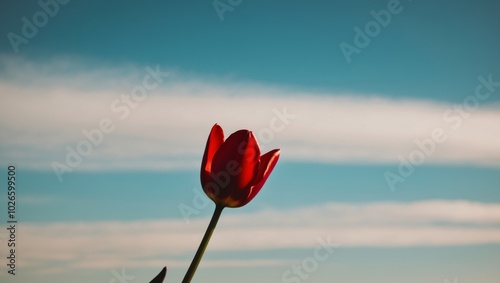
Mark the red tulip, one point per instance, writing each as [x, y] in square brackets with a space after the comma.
[233, 171]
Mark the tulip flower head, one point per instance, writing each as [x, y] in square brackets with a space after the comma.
[232, 170]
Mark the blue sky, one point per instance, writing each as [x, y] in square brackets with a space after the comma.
[392, 157]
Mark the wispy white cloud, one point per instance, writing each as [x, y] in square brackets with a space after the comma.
[45, 107]
[109, 244]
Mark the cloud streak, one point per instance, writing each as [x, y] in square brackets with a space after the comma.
[45, 109]
[109, 244]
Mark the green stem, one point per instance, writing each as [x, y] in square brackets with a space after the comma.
[203, 244]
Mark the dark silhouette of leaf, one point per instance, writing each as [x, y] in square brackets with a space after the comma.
[159, 278]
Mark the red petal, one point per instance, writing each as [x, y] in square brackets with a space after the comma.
[267, 163]
[241, 150]
[214, 142]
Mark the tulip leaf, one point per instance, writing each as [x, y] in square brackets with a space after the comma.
[159, 278]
